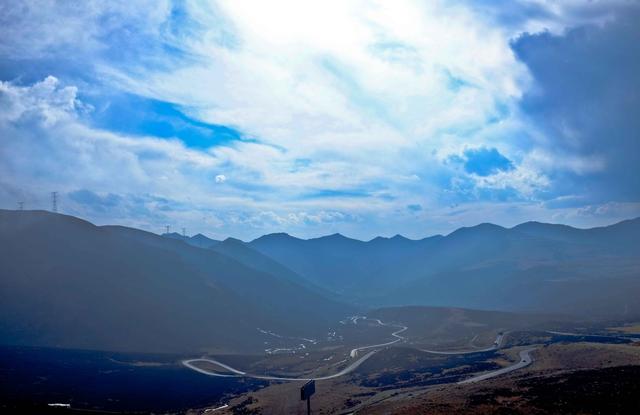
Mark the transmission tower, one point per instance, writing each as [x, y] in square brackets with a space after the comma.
[20, 205]
[184, 232]
[54, 202]
[168, 227]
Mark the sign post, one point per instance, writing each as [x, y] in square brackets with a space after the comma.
[306, 391]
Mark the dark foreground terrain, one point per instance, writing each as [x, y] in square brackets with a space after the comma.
[607, 390]
[571, 373]
[32, 378]
[613, 390]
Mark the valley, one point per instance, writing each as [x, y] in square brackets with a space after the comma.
[241, 325]
[402, 375]
[416, 207]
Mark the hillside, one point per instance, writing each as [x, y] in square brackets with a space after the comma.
[67, 283]
[198, 240]
[530, 267]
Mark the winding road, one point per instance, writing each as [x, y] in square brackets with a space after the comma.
[525, 360]
[495, 346]
[189, 363]
[396, 334]
[350, 368]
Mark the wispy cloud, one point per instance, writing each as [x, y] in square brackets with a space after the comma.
[304, 116]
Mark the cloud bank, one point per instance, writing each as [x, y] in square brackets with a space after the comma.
[240, 118]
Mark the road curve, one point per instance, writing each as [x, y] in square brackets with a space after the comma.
[525, 360]
[350, 368]
[189, 363]
[495, 346]
[236, 373]
[395, 334]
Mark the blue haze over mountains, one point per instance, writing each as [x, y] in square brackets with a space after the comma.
[532, 267]
[67, 283]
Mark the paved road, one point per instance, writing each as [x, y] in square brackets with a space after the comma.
[495, 346]
[525, 360]
[395, 334]
[217, 409]
[189, 363]
[350, 368]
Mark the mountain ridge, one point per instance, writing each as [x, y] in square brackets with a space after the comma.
[65, 282]
[485, 266]
[286, 235]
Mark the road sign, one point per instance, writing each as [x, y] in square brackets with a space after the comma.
[306, 391]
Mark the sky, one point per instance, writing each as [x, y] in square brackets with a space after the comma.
[241, 118]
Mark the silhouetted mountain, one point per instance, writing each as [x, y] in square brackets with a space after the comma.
[202, 241]
[67, 283]
[238, 250]
[198, 240]
[533, 266]
[342, 264]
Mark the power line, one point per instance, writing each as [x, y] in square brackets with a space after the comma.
[54, 202]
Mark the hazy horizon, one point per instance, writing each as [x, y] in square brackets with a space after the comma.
[178, 231]
[200, 204]
[366, 119]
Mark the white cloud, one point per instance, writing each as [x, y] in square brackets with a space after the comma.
[46, 100]
[340, 74]
[360, 98]
[366, 91]
[138, 181]
[31, 29]
[45, 146]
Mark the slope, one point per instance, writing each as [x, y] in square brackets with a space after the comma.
[67, 283]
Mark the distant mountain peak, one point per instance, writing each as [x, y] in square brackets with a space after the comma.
[174, 235]
[276, 236]
[534, 223]
[395, 238]
[488, 225]
[336, 235]
[201, 237]
[232, 240]
[482, 227]
[529, 223]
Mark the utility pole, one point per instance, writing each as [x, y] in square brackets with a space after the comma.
[20, 205]
[54, 202]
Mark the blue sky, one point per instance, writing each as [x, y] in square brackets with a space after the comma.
[240, 118]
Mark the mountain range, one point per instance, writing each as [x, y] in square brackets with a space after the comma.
[65, 282]
[530, 267]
